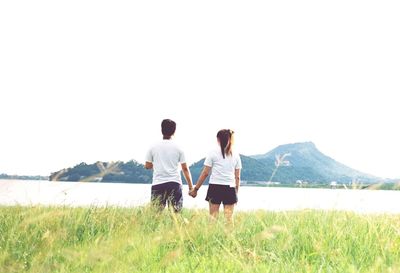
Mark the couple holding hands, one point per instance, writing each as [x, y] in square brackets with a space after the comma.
[223, 164]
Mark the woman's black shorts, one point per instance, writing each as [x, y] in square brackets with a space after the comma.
[218, 194]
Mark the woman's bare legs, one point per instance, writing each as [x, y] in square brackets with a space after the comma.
[228, 211]
[214, 210]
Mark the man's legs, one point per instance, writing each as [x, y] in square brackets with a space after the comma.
[174, 196]
[158, 197]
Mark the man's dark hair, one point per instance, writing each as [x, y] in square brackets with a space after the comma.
[168, 127]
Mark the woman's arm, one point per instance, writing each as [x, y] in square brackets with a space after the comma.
[237, 179]
[204, 174]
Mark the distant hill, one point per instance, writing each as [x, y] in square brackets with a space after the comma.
[129, 172]
[305, 162]
[309, 164]
[134, 172]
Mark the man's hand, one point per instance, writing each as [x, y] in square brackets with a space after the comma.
[193, 193]
[148, 165]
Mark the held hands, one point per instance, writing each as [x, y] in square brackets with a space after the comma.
[193, 192]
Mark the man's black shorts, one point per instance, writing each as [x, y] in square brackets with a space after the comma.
[218, 194]
[170, 192]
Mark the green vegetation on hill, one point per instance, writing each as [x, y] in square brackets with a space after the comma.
[134, 172]
[41, 239]
[129, 172]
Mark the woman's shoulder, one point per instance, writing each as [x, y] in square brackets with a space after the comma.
[213, 152]
[236, 155]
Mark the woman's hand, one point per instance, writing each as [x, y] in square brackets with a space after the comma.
[193, 192]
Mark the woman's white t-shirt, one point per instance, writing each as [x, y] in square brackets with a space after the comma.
[223, 169]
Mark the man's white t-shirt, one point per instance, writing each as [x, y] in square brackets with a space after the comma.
[223, 169]
[166, 157]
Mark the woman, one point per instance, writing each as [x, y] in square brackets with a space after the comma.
[225, 176]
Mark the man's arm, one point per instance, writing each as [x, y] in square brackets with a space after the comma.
[148, 165]
[149, 160]
[187, 175]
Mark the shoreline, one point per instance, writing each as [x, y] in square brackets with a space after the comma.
[28, 193]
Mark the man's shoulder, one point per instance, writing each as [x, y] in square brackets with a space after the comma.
[170, 145]
[176, 146]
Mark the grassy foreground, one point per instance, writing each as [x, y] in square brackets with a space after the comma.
[41, 239]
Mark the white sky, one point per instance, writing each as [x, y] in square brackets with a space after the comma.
[92, 80]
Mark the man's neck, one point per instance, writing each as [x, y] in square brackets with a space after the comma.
[167, 138]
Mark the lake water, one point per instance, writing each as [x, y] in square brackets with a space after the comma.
[17, 192]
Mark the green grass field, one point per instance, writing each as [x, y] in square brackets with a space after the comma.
[41, 239]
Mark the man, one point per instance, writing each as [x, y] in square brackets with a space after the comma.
[164, 158]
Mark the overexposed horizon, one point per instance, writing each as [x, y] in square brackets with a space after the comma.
[83, 81]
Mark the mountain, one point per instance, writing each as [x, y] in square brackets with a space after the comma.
[299, 161]
[307, 163]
